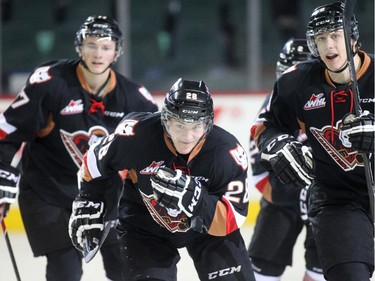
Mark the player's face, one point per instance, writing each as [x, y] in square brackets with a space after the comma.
[185, 136]
[331, 47]
[98, 53]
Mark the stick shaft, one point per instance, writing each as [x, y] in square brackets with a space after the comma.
[9, 245]
[348, 12]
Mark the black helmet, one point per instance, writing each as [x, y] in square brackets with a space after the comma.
[188, 101]
[100, 26]
[294, 51]
[328, 18]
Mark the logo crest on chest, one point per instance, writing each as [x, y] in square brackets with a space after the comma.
[315, 101]
[77, 143]
[338, 146]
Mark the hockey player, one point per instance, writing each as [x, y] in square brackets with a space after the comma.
[315, 96]
[280, 221]
[66, 106]
[188, 189]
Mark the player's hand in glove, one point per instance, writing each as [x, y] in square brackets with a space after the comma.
[9, 178]
[86, 222]
[175, 190]
[360, 131]
[290, 160]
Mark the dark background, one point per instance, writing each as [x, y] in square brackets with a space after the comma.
[201, 40]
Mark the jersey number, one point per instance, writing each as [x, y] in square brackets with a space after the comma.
[237, 192]
[21, 99]
[105, 146]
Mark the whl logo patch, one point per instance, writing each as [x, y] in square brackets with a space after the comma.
[316, 101]
[74, 107]
[152, 168]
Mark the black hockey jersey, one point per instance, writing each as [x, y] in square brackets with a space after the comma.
[57, 118]
[306, 98]
[141, 146]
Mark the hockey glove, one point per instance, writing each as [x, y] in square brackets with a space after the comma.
[9, 178]
[86, 223]
[290, 160]
[175, 190]
[303, 203]
[360, 131]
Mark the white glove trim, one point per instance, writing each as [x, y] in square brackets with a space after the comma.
[360, 129]
[11, 189]
[297, 167]
[293, 163]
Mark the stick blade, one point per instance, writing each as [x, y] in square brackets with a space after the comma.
[88, 254]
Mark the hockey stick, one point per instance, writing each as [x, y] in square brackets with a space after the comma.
[89, 255]
[348, 12]
[9, 246]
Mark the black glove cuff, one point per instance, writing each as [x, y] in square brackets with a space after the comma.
[282, 194]
[197, 221]
[92, 191]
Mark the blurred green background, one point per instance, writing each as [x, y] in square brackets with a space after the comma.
[168, 39]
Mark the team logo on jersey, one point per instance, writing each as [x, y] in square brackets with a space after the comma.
[78, 143]
[73, 107]
[152, 168]
[171, 219]
[316, 101]
[338, 146]
[40, 75]
[126, 127]
[240, 157]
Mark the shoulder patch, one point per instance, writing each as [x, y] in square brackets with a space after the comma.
[239, 156]
[40, 75]
[126, 127]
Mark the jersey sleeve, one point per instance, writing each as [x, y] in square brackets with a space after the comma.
[28, 113]
[225, 204]
[279, 119]
[106, 158]
[259, 175]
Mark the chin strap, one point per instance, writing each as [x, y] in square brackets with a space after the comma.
[345, 66]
